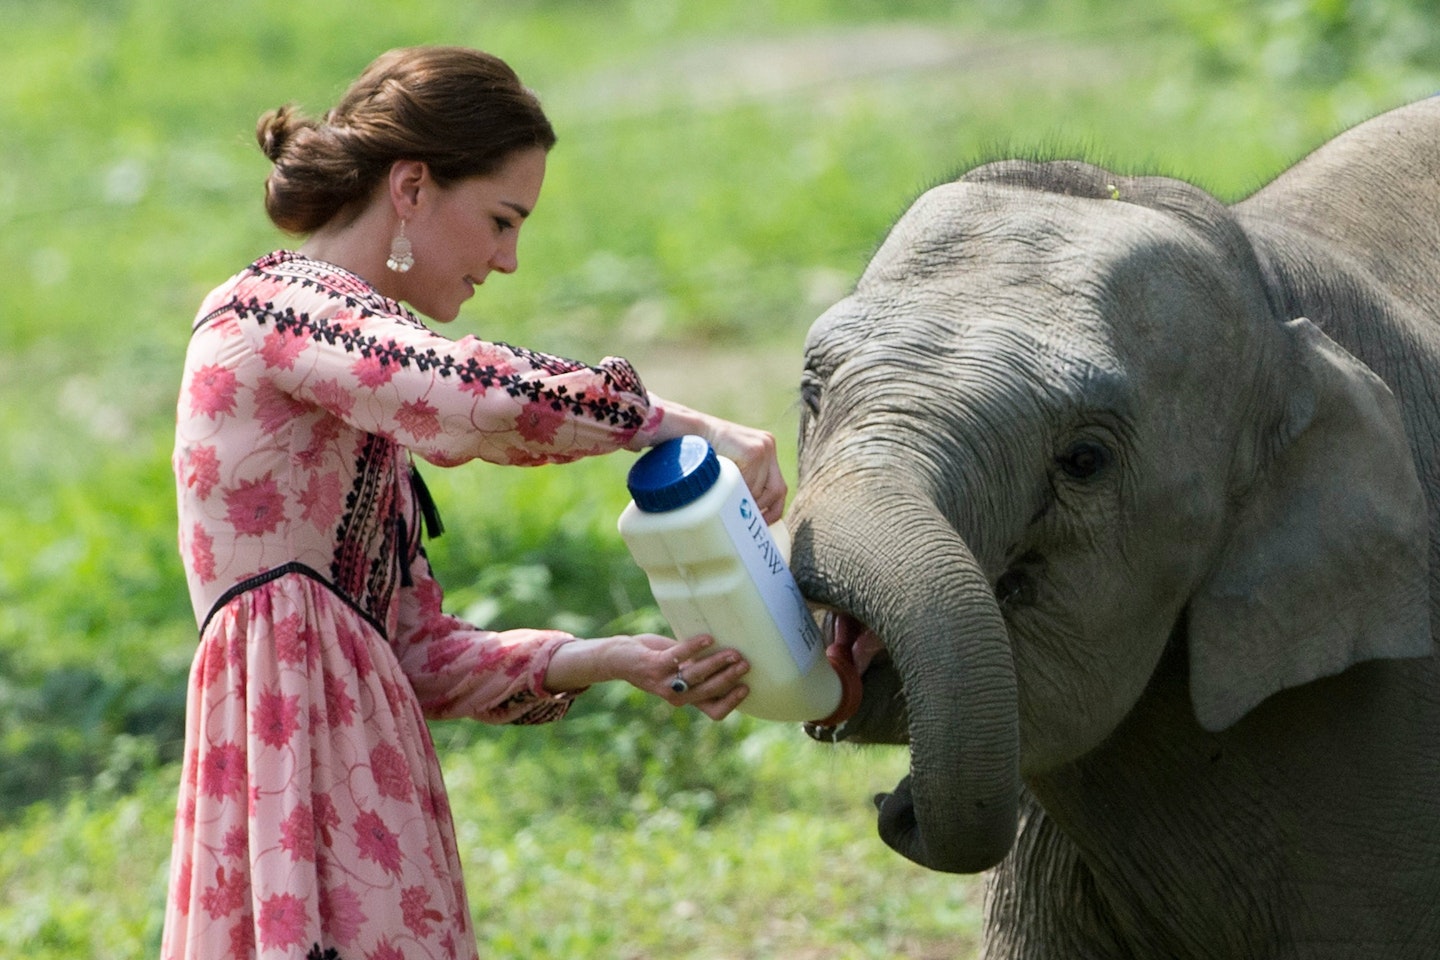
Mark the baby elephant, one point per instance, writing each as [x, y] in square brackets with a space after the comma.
[1127, 503]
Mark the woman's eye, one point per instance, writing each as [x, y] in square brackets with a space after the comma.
[1084, 460]
[503, 224]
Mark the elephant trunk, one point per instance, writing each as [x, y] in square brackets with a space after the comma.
[907, 575]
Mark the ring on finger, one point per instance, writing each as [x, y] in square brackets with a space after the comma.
[678, 684]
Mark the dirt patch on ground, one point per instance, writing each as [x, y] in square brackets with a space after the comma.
[760, 386]
[720, 73]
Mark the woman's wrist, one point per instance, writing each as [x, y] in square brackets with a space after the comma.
[678, 420]
[580, 663]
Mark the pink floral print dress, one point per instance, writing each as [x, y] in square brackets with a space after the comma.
[312, 821]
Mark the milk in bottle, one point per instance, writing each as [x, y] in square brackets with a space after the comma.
[715, 567]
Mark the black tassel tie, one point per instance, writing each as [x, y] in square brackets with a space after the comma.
[428, 512]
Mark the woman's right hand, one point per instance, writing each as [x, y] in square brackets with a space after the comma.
[753, 451]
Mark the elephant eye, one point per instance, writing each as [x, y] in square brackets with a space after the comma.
[1084, 460]
[810, 395]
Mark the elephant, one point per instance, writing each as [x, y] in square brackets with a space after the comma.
[1126, 502]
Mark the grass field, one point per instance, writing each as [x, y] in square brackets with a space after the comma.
[724, 169]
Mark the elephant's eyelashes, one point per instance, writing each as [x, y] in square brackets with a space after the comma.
[1084, 460]
[810, 394]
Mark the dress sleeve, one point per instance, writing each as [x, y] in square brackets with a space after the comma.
[459, 670]
[447, 400]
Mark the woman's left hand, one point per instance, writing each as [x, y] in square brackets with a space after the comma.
[690, 672]
[685, 673]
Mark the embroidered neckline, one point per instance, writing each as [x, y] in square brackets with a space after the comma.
[337, 279]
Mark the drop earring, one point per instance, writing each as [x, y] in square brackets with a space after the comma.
[401, 258]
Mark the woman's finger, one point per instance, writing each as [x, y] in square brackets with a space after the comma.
[682, 650]
[708, 678]
[701, 670]
[721, 708]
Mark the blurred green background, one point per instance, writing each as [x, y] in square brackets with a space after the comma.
[723, 172]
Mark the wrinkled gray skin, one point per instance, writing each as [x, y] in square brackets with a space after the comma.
[1140, 493]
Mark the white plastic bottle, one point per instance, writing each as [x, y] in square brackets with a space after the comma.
[714, 567]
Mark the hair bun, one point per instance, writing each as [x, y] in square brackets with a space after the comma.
[274, 130]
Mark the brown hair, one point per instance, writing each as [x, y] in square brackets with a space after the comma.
[460, 111]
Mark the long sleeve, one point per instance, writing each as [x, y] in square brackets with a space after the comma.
[460, 670]
[370, 363]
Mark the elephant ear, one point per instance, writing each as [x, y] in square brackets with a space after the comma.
[1327, 561]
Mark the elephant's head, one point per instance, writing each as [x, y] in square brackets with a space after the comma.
[1060, 425]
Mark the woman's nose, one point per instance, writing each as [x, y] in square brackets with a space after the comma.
[506, 259]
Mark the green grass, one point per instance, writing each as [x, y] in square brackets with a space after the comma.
[567, 855]
[724, 169]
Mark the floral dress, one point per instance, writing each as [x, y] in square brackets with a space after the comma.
[312, 820]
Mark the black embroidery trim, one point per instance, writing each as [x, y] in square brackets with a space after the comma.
[547, 714]
[330, 953]
[467, 370]
[355, 569]
[209, 316]
[334, 281]
[275, 573]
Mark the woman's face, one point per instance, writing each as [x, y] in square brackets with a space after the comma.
[464, 231]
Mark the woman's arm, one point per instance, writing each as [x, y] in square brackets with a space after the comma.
[447, 400]
[531, 676]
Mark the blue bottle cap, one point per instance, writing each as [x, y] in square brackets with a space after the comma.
[672, 474]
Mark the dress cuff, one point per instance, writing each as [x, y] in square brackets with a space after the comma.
[644, 438]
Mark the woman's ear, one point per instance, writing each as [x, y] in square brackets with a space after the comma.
[1327, 561]
[405, 181]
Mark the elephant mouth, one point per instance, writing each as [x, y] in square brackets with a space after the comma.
[851, 647]
[856, 642]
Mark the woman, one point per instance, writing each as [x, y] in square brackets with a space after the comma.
[312, 819]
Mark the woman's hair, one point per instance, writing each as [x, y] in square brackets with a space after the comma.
[460, 111]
